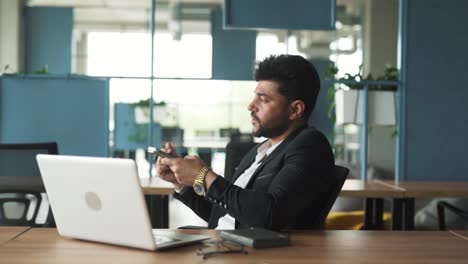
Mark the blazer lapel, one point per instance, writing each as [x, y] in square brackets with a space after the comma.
[270, 157]
[245, 163]
[275, 153]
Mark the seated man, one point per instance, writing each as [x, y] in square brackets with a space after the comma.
[283, 182]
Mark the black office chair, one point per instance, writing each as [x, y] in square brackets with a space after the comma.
[442, 205]
[16, 161]
[26, 199]
[235, 151]
[339, 177]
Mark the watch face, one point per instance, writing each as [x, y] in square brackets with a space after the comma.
[198, 188]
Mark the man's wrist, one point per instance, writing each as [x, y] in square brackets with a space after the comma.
[210, 178]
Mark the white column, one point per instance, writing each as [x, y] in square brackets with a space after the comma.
[80, 52]
[11, 36]
[380, 48]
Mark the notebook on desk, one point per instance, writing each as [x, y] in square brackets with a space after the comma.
[100, 199]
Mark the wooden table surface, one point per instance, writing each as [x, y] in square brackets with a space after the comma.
[156, 186]
[358, 188]
[431, 189]
[351, 188]
[46, 246]
[7, 232]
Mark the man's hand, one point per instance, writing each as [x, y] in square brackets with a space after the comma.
[163, 171]
[184, 170]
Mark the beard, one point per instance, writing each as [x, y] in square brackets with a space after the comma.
[270, 128]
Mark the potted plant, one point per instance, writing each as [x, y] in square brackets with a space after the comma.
[350, 106]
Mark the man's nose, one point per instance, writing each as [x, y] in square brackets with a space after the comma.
[251, 107]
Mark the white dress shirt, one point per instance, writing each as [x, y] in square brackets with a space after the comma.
[228, 222]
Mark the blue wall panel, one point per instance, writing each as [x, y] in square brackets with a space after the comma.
[49, 39]
[74, 112]
[233, 51]
[435, 92]
[280, 14]
[128, 135]
[319, 117]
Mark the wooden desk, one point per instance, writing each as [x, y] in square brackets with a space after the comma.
[365, 189]
[430, 189]
[9, 232]
[45, 246]
[403, 208]
[157, 193]
[157, 196]
[154, 186]
[374, 193]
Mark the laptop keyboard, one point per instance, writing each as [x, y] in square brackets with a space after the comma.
[159, 240]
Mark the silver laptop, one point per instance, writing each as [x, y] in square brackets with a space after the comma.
[100, 199]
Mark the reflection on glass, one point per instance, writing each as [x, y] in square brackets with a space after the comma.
[198, 116]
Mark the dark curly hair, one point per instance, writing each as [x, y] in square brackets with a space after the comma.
[297, 77]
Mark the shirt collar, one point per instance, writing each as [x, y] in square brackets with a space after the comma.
[268, 147]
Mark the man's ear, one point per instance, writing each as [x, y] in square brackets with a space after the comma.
[296, 109]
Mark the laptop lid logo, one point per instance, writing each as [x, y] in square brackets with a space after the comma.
[93, 201]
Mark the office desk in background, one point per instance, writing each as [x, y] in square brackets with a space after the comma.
[404, 206]
[42, 245]
[401, 195]
[374, 192]
[157, 194]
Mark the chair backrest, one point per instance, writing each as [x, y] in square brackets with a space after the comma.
[19, 206]
[339, 177]
[235, 151]
[20, 159]
[29, 201]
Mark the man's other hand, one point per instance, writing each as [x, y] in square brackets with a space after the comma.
[184, 170]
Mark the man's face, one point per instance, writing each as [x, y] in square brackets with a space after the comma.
[269, 110]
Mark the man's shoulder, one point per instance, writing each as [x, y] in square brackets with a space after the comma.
[310, 134]
[310, 138]
[310, 142]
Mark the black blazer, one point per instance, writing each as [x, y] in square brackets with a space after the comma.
[287, 191]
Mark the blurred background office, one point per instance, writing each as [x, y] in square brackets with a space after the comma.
[85, 74]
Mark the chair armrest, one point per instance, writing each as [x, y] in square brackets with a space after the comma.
[441, 206]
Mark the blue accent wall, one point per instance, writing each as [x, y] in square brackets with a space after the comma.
[319, 117]
[233, 51]
[280, 14]
[434, 96]
[72, 111]
[128, 135]
[49, 39]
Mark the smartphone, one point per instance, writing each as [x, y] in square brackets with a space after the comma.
[160, 153]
